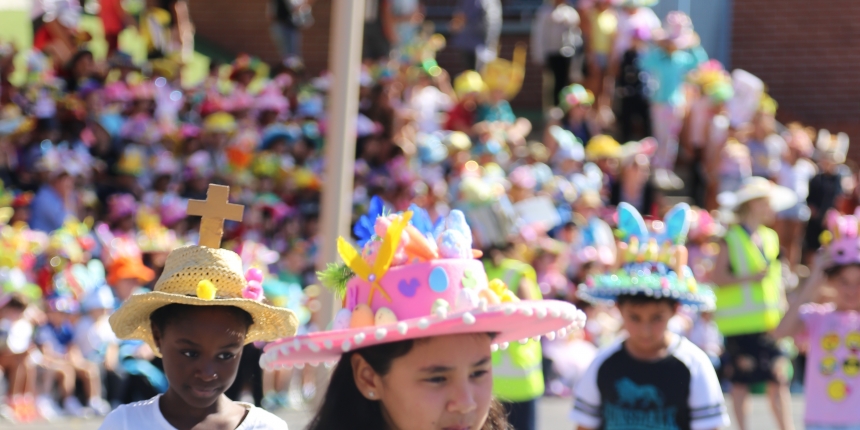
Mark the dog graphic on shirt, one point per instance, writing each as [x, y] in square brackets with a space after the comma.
[632, 394]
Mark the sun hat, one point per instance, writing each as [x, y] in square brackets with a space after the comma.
[831, 147]
[756, 187]
[651, 261]
[841, 239]
[637, 3]
[121, 206]
[574, 95]
[469, 82]
[601, 147]
[457, 141]
[128, 267]
[413, 280]
[678, 30]
[206, 275]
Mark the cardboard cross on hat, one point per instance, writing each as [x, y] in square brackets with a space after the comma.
[214, 210]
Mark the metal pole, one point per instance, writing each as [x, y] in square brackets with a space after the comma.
[347, 31]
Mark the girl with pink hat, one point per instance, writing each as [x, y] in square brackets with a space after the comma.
[413, 344]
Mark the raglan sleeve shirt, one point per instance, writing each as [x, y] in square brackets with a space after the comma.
[707, 405]
[587, 404]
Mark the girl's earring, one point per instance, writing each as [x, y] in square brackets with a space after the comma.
[371, 394]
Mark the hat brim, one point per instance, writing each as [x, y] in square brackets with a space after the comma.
[131, 320]
[781, 198]
[510, 322]
[608, 295]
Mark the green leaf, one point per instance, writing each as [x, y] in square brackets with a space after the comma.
[335, 277]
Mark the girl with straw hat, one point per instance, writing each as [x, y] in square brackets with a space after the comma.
[414, 342]
[203, 311]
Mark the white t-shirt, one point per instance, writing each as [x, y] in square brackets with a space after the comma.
[678, 391]
[146, 415]
[428, 103]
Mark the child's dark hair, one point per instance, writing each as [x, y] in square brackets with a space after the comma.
[832, 272]
[16, 304]
[166, 315]
[642, 299]
[345, 408]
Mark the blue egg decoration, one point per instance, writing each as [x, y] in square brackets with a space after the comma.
[438, 280]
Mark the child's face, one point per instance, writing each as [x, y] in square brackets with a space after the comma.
[201, 353]
[443, 382]
[646, 323]
[847, 284]
[56, 319]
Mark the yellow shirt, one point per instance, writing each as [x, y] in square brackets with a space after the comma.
[604, 26]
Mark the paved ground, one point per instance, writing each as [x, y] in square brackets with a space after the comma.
[552, 416]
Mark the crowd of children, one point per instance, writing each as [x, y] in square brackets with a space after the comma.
[99, 159]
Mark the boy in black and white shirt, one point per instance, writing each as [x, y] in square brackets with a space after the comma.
[652, 379]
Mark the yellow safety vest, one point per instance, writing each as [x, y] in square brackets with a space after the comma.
[750, 307]
[517, 371]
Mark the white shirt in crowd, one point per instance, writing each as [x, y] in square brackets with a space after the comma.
[428, 103]
[146, 415]
[92, 336]
[643, 18]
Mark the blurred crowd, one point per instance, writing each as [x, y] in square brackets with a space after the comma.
[98, 158]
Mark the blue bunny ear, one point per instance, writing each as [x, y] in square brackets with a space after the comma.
[630, 222]
[421, 219]
[677, 222]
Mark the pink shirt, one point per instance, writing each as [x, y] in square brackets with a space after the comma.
[832, 365]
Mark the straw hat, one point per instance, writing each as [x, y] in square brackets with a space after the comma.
[781, 198]
[206, 276]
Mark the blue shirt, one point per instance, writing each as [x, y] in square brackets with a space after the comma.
[668, 73]
[501, 111]
[48, 211]
[483, 23]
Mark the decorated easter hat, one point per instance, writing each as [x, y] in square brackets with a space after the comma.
[206, 275]
[410, 280]
[602, 146]
[575, 95]
[651, 262]
[755, 187]
[831, 147]
[469, 82]
[841, 239]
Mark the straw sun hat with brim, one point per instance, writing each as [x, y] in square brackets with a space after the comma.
[205, 276]
[781, 198]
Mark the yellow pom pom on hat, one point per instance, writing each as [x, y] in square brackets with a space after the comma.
[205, 275]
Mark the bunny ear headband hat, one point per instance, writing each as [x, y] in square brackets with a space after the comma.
[413, 279]
[206, 275]
[651, 262]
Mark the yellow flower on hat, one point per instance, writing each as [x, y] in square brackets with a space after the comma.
[206, 290]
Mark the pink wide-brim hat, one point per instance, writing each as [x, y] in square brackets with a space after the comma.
[510, 322]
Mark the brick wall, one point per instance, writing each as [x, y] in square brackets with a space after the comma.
[242, 27]
[807, 52]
